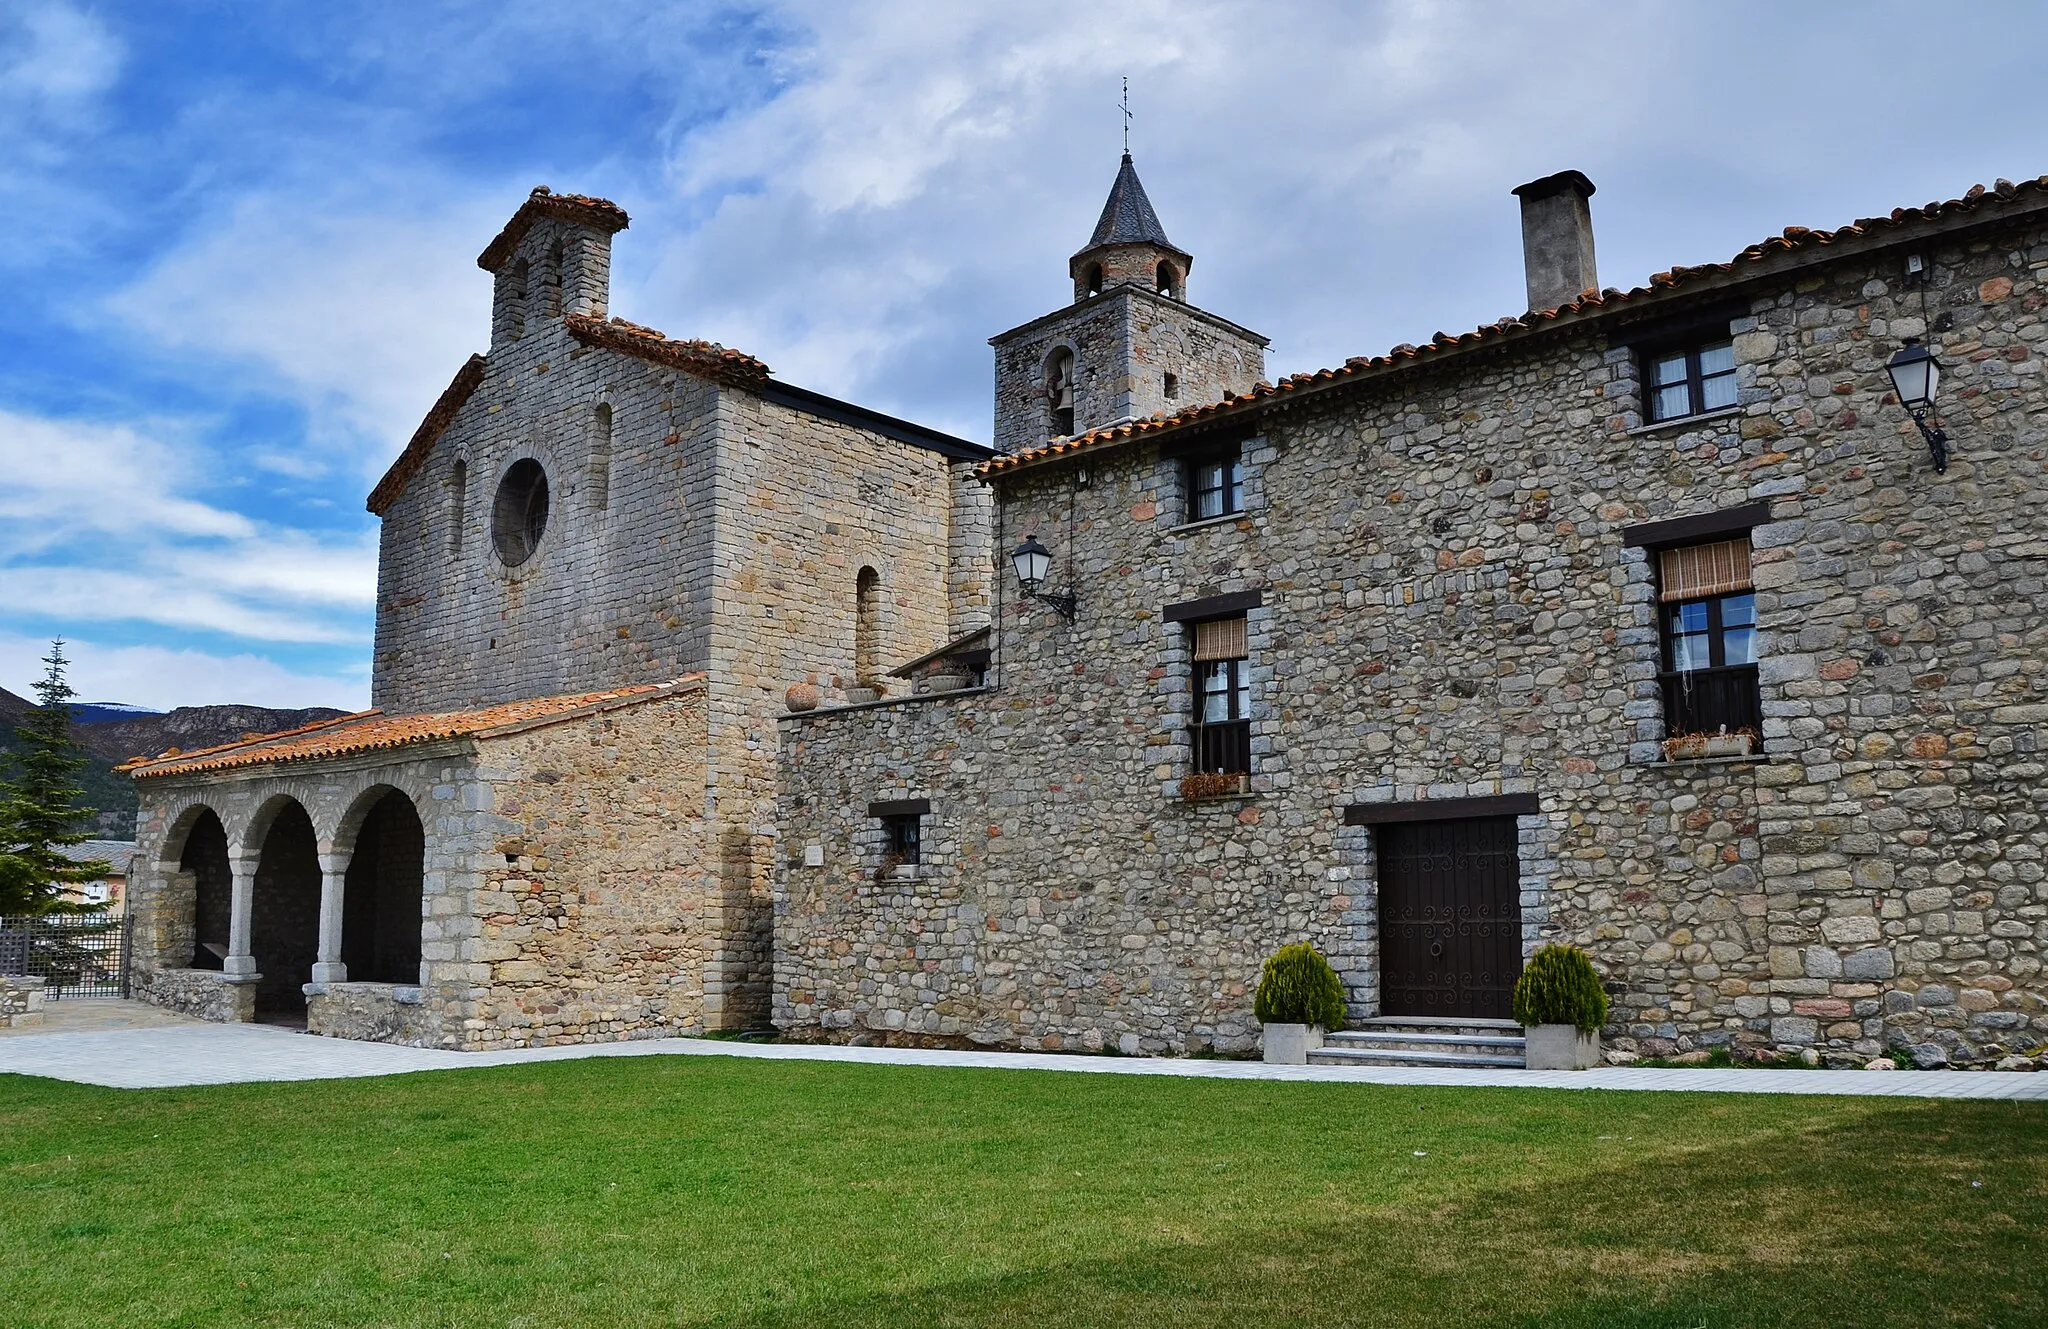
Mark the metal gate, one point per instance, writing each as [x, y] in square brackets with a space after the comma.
[1450, 918]
[79, 955]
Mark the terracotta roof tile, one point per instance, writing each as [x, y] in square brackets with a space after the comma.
[439, 417]
[1406, 355]
[705, 359]
[602, 213]
[369, 731]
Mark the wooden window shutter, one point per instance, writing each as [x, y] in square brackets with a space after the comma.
[1695, 572]
[1220, 639]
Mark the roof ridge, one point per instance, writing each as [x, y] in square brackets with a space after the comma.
[706, 359]
[383, 731]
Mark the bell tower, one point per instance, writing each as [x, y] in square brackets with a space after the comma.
[1129, 346]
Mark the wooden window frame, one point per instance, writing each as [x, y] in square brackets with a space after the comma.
[1231, 459]
[1714, 697]
[903, 837]
[1221, 747]
[1695, 380]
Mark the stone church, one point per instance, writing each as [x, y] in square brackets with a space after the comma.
[1683, 623]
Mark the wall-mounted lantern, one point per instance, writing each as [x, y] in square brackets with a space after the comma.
[1916, 374]
[1033, 562]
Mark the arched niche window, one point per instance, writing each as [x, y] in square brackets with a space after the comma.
[867, 625]
[1091, 280]
[458, 499]
[515, 300]
[1167, 280]
[551, 282]
[1059, 392]
[601, 457]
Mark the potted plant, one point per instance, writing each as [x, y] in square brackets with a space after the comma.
[1685, 747]
[1299, 999]
[1197, 786]
[1738, 744]
[889, 868]
[1560, 1005]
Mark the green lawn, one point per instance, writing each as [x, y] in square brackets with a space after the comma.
[714, 1191]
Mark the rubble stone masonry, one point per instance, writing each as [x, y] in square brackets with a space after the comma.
[1449, 610]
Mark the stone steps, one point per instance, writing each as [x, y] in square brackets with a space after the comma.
[1397, 1041]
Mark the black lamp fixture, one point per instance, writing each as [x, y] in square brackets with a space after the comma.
[1033, 562]
[1915, 376]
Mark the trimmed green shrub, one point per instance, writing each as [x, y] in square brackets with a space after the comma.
[1299, 987]
[1560, 987]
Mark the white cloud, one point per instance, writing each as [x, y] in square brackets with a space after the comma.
[358, 305]
[163, 678]
[94, 528]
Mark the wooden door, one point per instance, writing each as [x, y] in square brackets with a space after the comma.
[1450, 918]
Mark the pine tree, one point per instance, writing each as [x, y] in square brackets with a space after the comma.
[39, 807]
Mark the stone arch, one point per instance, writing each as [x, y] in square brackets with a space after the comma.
[1166, 279]
[384, 889]
[601, 456]
[551, 282]
[515, 300]
[1091, 281]
[284, 910]
[1059, 390]
[867, 625]
[458, 504]
[194, 870]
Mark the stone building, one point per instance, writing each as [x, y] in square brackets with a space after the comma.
[1644, 621]
[604, 556]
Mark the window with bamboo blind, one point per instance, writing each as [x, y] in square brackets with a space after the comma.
[1222, 727]
[1707, 614]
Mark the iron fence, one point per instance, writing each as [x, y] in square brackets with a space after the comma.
[78, 955]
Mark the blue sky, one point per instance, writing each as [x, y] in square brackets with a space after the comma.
[245, 263]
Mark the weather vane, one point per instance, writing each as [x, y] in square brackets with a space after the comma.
[1127, 115]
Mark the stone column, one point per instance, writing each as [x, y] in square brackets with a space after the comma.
[240, 963]
[328, 968]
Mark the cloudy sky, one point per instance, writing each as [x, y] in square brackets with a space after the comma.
[243, 261]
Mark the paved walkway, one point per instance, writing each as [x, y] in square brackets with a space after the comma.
[189, 1052]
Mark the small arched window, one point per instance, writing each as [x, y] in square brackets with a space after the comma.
[601, 458]
[551, 283]
[867, 625]
[1059, 392]
[515, 301]
[1167, 279]
[458, 497]
[1091, 280]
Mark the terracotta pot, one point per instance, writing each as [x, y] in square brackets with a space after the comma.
[801, 697]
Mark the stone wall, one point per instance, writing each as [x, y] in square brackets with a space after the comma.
[1125, 341]
[596, 912]
[1449, 611]
[205, 994]
[21, 1001]
[805, 504]
[373, 1012]
[618, 590]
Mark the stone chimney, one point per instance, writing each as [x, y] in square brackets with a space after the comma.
[1557, 239]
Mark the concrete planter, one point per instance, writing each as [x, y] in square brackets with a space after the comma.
[945, 682]
[1728, 745]
[1290, 1044]
[1560, 1047]
[862, 696]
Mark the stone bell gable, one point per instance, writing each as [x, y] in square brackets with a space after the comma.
[1130, 345]
[594, 503]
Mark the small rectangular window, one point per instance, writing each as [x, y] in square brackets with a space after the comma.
[1690, 381]
[1215, 486]
[1707, 613]
[902, 838]
[1172, 387]
[1222, 702]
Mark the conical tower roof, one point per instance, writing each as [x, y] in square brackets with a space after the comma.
[1127, 218]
